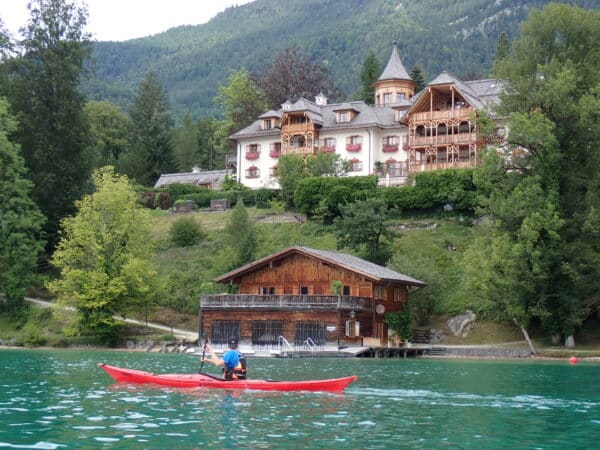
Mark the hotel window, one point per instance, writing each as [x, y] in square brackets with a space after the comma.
[355, 165]
[274, 171]
[400, 96]
[387, 99]
[344, 116]
[392, 140]
[354, 140]
[252, 172]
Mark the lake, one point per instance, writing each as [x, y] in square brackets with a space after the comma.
[60, 399]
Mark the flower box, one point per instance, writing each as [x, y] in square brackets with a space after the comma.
[390, 148]
[328, 149]
[353, 147]
[252, 155]
[275, 153]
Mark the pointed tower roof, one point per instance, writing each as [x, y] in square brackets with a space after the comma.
[395, 69]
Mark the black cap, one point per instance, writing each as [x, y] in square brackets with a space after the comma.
[232, 342]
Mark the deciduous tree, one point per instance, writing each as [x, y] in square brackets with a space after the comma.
[553, 97]
[110, 130]
[363, 227]
[293, 74]
[105, 259]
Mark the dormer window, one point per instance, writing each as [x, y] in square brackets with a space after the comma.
[267, 124]
[344, 117]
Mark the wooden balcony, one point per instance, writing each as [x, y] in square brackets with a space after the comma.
[286, 302]
[299, 151]
[460, 164]
[446, 139]
[462, 113]
[298, 128]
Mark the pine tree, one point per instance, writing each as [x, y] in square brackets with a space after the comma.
[369, 74]
[151, 141]
[44, 94]
[503, 46]
[20, 221]
[418, 76]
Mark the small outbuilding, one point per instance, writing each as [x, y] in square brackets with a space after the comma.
[305, 296]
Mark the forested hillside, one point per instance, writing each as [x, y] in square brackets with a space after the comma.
[456, 35]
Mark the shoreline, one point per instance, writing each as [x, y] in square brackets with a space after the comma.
[581, 358]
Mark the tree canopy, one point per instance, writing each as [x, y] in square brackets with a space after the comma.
[20, 221]
[536, 257]
[105, 258]
[44, 95]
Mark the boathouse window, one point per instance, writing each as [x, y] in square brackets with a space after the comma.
[378, 292]
[222, 329]
[315, 331]
[346, 290]
[266, 332]
[303, 290]
[270, 290]
[397, 294]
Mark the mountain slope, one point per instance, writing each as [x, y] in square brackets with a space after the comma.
[455, 35]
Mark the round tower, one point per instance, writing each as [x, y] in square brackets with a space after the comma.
[394, 86]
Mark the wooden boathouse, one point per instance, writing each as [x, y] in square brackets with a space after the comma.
[305, 298]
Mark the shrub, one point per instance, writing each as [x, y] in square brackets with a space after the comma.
[186, 231]
[399, 321]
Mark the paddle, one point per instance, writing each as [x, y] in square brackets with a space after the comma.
[203, 355]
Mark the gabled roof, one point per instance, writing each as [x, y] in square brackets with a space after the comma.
[270, 114]
[324, 115]
[352, 263]
[481, 94]
[394, 70]
[198, 178]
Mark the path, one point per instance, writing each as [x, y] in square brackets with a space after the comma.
[185, 335]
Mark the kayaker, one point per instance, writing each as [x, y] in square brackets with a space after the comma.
[233, 361]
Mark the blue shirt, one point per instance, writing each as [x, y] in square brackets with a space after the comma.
[231, 358]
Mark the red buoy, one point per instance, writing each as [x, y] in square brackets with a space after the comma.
[573, 360]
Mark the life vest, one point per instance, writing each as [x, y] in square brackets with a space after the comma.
[238, 372]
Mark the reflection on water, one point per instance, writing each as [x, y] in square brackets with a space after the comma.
[56, 399]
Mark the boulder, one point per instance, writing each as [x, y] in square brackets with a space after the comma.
[462, 324]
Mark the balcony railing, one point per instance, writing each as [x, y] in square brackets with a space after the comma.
[462, 113]
[298, 150]
[290, 302]
[298, 128]
[460, 138]
[422, 167]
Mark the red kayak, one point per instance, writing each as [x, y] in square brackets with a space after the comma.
[203, 380]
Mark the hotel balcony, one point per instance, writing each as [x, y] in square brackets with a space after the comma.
[445, 139]
[298, 150]
[462, 113]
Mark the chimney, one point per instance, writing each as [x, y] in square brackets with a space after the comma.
[320, 99]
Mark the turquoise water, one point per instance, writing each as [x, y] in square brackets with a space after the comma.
[61, 399]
